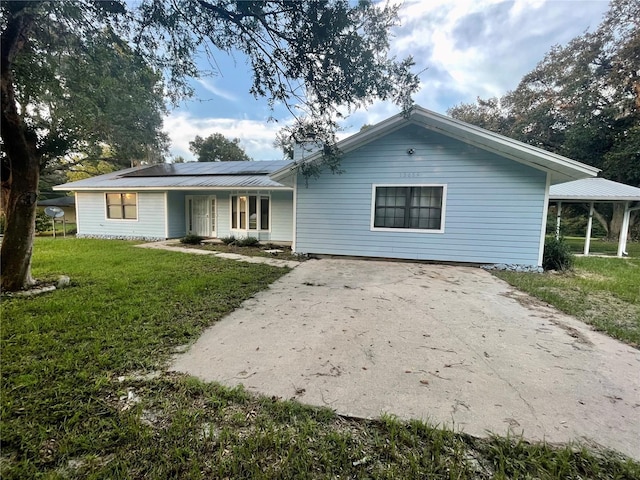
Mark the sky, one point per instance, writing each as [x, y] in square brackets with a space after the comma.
[469, 48]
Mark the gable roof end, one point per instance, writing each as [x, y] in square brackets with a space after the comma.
[561, 168]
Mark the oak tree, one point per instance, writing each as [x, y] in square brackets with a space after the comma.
[313, 57]
[217, 148]
[582, 101]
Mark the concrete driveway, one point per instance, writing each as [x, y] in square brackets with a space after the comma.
[451, 345]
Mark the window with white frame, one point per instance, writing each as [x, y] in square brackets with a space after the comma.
[122, 206]
[409, 207]
[250, 212]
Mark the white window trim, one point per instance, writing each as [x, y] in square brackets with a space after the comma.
[247, 230]
[106, 208]
[408, 230]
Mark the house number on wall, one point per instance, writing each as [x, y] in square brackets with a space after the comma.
[409, 174]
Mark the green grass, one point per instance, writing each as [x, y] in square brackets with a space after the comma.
[603, 292]
[60, 230]
[77, 401]
[602, 247]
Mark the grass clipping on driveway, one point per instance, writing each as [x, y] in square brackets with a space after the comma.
[84, 396]
[603, 292]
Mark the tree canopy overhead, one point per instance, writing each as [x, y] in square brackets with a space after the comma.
[582, 101]
[217, 148]
[313, 57]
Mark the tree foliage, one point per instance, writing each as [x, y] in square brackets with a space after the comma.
[313, 57]
[582, 101]
[217, 148]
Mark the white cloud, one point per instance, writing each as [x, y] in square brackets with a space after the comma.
[256, 137]
[471, 48]
[483, 48]
[211, 87]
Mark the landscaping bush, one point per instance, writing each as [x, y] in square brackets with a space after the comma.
[557, 255]
[230, 240]
[248, 242]
[192, 239]
[43, 222]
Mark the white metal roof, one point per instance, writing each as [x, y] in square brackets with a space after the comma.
[594, 190]
[560, 168]
[184, 176]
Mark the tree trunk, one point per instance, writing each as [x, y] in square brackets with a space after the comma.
[602, 220]
[21, 165]
[20, 215]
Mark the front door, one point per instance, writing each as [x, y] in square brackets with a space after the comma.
[200, 215]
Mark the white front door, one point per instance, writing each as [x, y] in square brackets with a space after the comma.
[200, 212]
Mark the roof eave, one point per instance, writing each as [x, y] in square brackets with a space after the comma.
[162, 189]
[561, 168]
[583, 199]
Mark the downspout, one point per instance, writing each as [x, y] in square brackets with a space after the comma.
[587, 240]
[624, 230]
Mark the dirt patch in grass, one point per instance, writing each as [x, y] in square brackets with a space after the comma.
[601, 292]
[82, 397]
[257, 251]
[536, 304]
[524, 299]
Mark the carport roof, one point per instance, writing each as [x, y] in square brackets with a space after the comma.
[594, 190]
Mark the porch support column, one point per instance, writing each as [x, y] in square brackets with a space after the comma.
[587, 240]
[624, 230]
[558, 216]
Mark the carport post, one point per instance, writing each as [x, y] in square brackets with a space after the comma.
[624, 230]
[558, 215]
[587, 241]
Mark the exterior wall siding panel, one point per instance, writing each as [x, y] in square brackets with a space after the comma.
[92, 220]
[176, 215]
[494, 205]
[151, 215]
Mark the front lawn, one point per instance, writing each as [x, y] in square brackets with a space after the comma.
[84, 394]
[599, 246]
[603, 292]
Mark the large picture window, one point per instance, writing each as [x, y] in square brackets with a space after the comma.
[419, 207]
[250, 212]
[122, 206]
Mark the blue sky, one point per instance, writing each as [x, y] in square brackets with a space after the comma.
[470, 48]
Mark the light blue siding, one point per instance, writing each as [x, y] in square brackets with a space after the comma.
[282, 216]
[93, 221]
[493, 213]
[176, 224]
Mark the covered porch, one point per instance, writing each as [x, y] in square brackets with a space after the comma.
[592, 191]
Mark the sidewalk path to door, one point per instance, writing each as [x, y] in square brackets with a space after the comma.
[166, 245]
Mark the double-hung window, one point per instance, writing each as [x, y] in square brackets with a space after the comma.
[409, 207]
[250, 212]
[122, 206]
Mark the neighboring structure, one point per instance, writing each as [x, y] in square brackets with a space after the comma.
[211, 199]
[592, 191]
[67, 204]
[429, 187]
[422, 186]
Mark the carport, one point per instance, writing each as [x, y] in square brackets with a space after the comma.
[592, 191]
